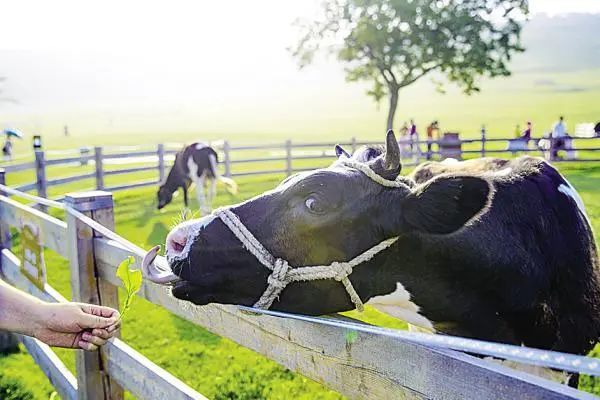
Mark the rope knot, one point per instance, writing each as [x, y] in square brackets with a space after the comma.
[279, 275]
[341, 270]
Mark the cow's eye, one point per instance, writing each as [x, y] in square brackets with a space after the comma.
[315, 205]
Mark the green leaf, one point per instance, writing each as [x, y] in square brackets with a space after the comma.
[132, 281]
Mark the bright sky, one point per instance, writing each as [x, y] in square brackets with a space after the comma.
[200, 65]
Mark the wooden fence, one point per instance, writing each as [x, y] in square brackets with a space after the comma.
[279, 158]
[372, 367]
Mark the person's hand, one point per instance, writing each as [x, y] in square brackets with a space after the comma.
[75, 325]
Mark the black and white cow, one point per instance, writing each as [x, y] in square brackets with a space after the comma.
[196, 163]
[499, 250]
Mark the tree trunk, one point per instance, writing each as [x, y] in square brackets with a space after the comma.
[392, 109]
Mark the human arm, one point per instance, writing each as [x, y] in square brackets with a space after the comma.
[73, 325]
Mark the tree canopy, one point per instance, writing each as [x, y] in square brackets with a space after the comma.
[394, 43]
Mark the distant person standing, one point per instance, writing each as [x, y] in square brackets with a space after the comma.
[413, 134]
[526, 136]
[7, 149]
[66, 131]
[432, 134]
[559, 132]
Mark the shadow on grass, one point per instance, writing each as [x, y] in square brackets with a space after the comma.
[188, 331]
[158, 234]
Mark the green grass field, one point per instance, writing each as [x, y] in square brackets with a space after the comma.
[215, 366]
[345, 111]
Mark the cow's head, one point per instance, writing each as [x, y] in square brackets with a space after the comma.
[164, 196]
[316, 218]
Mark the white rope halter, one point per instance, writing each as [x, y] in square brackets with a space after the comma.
[283, 274]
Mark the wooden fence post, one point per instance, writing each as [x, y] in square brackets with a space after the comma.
[8, 341]
[288, 157]
[99, 168]
[417, 154]
[226, 158]
[4, 228]
[353, 142]
[40, 173]
[93, 382]
[160, 151]
[483, 141]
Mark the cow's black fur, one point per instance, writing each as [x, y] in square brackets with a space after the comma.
[179, 175]
[524, 270]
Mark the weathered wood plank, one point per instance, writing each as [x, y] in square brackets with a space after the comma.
[125, 366]
[98, 168]
[372, 367]
[5, 239]
[19, 167]
[141, 377]
[54, 231]
[131, 186]
[268, 172]
[80, 160]
[136, 154]
[253, 160]
[27, 187]
[69, 179]
[60, 377]
[160, 152]
[90, 377]
[129, 170]
[40, 175]
[108, 294]
[8, 341]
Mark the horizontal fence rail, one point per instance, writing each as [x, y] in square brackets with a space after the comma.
[278, 158]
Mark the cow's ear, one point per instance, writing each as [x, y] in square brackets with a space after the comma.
[447, 203]
[339, 151]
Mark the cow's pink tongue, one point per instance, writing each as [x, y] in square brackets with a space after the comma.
[156, 269]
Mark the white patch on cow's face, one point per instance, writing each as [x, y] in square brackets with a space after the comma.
[569, 191]
[201, 145]
[398, 305]
[184, 234]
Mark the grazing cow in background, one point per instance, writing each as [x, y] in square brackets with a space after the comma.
[499, 250]
[196, 163]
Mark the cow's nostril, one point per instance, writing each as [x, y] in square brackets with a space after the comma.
[177, 244]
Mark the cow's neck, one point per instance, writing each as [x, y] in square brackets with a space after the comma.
[435, 289]
[175, 178]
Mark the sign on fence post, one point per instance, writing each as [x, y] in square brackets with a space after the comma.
[32, 254]
[93, 382]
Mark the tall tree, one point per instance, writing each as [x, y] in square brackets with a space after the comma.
[394, 43]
